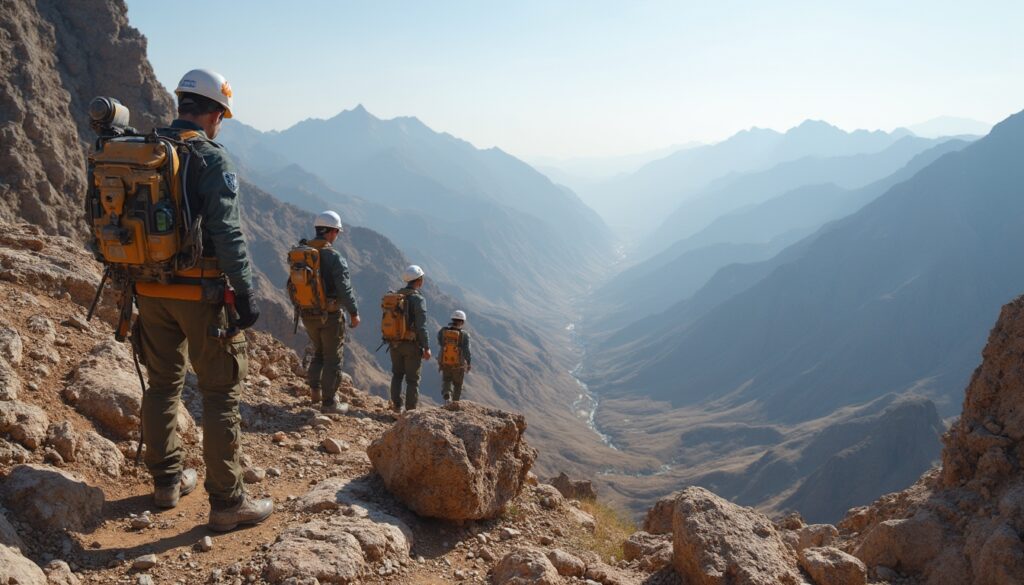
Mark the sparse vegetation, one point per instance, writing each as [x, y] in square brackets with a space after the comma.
[613, 528]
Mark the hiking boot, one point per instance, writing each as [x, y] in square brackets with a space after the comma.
[315, 396]
[248, 511]
[336, 407]
[447, 401]
[168, 496]
[396, 408]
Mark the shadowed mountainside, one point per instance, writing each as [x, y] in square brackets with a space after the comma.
[902, 285]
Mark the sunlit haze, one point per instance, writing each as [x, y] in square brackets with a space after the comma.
[565, 79]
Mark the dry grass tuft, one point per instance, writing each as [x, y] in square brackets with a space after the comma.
[613, 528]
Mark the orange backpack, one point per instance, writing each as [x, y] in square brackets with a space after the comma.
[451, 347]
[394, 322]
[305, 283]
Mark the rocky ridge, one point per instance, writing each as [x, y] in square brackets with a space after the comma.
[75, 507]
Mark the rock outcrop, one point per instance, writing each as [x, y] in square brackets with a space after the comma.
[46, 83]
[574, 489]
[527, 566]
[461, 462]
[716, 542]
[51, 499]
[961, 524]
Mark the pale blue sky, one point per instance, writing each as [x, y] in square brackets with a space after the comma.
[583, 78]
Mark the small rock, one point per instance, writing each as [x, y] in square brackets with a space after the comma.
[76, 322]
[274, 472]
[141, 522]
[546, 540]
[144, 580]
[254, 475]
[206, 544]
[322, 420]
[279, 437]
[144, 562]
[486, 554]
[507, 533]
[334, 446]
[11, 346]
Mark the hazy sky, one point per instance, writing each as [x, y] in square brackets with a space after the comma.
[590, 77]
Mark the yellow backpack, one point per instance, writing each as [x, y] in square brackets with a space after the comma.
[305, 283]
[451, 348]
[395, 318]
[138, 206]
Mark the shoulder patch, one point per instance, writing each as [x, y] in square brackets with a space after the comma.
[231, 180]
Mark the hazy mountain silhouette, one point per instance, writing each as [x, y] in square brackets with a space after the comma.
[480, 218]
[750, 234]
[640, 201]
[950, 126]
[891, 298]
[734, 192]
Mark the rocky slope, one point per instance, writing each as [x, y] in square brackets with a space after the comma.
[63, 54]
[75, 509]
[47, 79]
[963, 522]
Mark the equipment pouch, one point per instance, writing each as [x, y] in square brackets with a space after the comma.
[213, 291]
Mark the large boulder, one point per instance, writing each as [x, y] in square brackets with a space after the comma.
[461, 462]
[11, 346]
[88, 448]
[10, 383]
[831, 566]
[574, 489]
[105, 387]
[342, 547]
[51, 499]
[8, 534]
[526, 566]
[25, 423]
[653, 551]
[15, 568]
[659, 518]
[716, 542]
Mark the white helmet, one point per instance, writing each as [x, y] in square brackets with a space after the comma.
[328, 219]
[208, 84]
[411, 273]
[458, 316]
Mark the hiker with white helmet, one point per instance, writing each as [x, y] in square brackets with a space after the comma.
[321, 289]
[197, 317]
[455, 359]
[404, 329]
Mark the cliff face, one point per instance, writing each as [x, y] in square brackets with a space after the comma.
[48, 75]
[962, 524]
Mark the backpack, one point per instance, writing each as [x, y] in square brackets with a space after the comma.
[138, 206]
[451, 347]
[396, 318]
[305, 283]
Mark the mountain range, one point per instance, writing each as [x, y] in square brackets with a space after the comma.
[480, 219]
[639, 202]
[750, 233]
[891, 298]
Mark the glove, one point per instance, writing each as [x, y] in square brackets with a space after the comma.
[247, 310]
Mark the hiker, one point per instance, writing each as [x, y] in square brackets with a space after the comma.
[180, 316]
[404, 328]
[319, 299]
[455, 359]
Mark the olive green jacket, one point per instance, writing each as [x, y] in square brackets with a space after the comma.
[337, 282]
[417, 305]
[215, 196]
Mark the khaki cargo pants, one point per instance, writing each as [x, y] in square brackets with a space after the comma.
[328, 338]
[406, 363]
[171, 327]
[451, 382]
